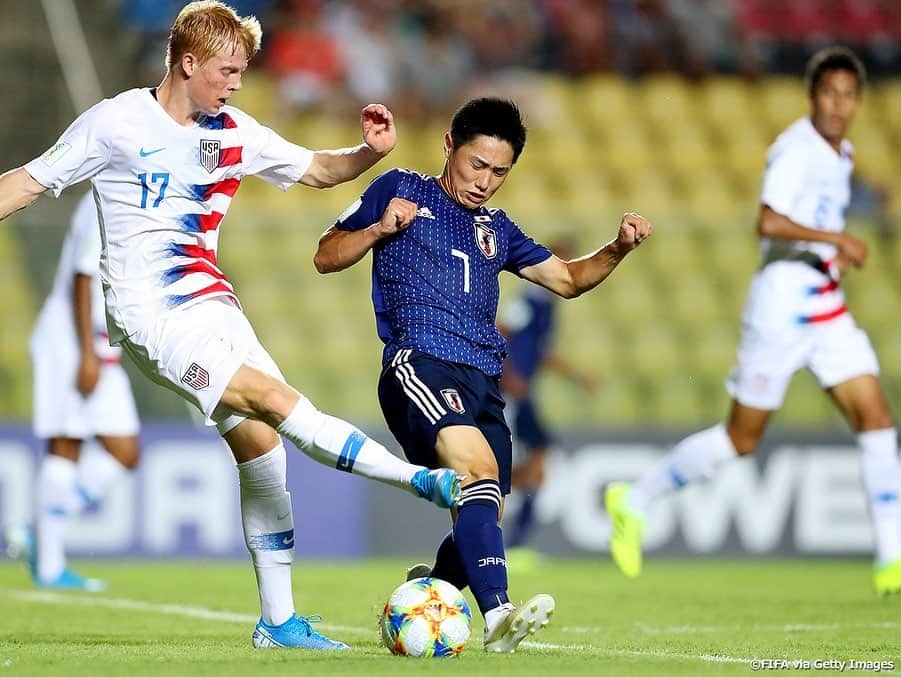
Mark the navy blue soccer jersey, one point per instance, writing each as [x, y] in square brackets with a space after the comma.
[435, 285]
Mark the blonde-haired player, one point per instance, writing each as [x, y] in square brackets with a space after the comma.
[164, 164]
[795, 317]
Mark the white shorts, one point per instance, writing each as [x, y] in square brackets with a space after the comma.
[61, 411]
[196, 352]
[834, 352]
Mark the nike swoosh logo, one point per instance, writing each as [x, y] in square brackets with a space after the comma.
[288, 541]
[145, 153]
[281, 517]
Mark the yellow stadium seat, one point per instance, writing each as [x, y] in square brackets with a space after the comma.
[667, 101]
[606, 100]
[783, 100]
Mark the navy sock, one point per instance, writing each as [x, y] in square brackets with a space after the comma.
[522, 524]
[448, 566]
[480, 543]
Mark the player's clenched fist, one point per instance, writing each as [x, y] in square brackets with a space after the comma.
[379, 132]
[398, 215]
[633, 229]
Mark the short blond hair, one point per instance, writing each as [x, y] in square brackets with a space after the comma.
[206, 27]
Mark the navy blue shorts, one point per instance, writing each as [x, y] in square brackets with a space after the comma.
[421, 394]
[528, 428]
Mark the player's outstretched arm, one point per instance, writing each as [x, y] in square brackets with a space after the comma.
[771, 223]
[570, 279]
[18, 190]
[339, 249]
[89, 364]
[331, 167]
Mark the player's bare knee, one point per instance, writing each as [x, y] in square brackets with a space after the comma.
[868, 421]
[745, 443]
[273, 401]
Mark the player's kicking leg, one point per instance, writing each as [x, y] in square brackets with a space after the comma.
[333, 441]
[695, 458]
[863, 404]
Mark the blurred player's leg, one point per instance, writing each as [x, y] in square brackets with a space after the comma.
[60, 496]
[864, 405]
[697, 457]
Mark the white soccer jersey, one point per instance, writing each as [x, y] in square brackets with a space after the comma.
[162, 190]
[807, 181]
[80, 254]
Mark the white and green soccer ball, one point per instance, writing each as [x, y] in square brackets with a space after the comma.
[426, 617]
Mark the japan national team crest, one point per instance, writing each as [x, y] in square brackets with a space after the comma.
[486, 240]
[197, 377]
[452, 397]
[209, 154]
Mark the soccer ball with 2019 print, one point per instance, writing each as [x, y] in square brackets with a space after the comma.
[426, 617]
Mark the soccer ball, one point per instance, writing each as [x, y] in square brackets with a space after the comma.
[426, 617]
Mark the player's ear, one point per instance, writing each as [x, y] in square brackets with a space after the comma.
[189, 63]
[448, 144]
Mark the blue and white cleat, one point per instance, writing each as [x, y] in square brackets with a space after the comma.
[69, 580]
[294, 633]
[441, 486]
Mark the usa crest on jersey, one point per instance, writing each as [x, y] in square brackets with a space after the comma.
[196, 376]
[486, 239]
[210, 150]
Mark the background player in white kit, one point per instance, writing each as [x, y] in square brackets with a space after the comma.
[80, 391]
[164, 164]
[795, 317]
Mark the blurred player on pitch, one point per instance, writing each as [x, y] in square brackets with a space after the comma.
[164, 164]
[438, 250]
[795, 317]
[80, 391]
[528, 323]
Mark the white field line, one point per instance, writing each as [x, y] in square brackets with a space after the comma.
[44, 597]
[714, 629]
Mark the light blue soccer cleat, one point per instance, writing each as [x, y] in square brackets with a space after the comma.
[441, 486]
[21, 543]
[294, 633]
[69, 580]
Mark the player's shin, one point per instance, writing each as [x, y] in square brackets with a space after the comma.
[98, 473]
[269, 531]
[338, 444]
[880, 470]
[480, 544]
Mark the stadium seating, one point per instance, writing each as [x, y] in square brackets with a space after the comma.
[662, 332]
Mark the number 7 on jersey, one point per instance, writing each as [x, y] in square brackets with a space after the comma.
[465, 257]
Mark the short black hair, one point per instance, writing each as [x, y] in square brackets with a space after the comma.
[835, 58]
[489, 116]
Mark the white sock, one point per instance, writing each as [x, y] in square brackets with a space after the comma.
[880, 471]
[694, 458]
[338, 444]
[57, 500]
[98, 473]
[497, 614]
[269, 531]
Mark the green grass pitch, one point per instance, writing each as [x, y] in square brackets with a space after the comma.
[681, 617]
